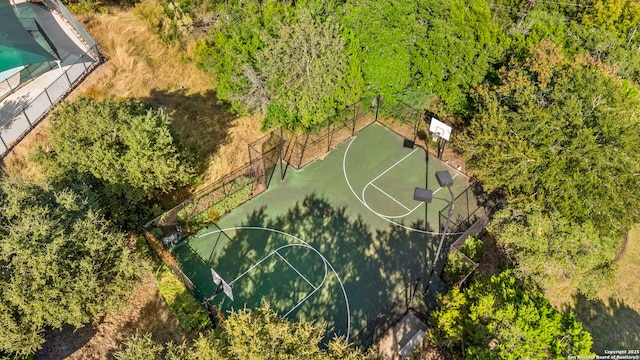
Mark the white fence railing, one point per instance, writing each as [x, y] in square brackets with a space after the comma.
[23, 116]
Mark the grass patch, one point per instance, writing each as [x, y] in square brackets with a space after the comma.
[187, 310]
[197, 215]
[613, 319]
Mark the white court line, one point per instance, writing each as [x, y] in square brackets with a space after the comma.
[392, 166]
[379, 176]
[384, 217]
[326, 263]
[391, 197]
[296, 270]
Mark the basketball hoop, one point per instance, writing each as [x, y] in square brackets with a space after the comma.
[439, 130]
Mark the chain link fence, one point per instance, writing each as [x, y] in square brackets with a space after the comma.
[312, 145]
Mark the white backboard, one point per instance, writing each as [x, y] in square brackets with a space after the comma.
[443, 130]
[217, 279]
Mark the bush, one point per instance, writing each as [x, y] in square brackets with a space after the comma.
[183, 305]
[458, 267]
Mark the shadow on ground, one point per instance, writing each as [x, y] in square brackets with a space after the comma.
[201, 118]
[613, 324]
[145, 313]
[381, 270]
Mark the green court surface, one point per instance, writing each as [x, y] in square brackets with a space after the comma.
[338, 242]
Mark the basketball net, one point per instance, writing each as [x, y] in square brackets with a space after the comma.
[435, 136]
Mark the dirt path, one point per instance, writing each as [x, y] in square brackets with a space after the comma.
[146, 312]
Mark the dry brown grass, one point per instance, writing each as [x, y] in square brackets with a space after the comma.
[614, 318]
[141, 66]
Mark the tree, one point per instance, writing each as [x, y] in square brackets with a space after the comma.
[558, 135]
[305, 66]
[60, 263]
[289, 62]
[494, 318]
[384, 34]
[546, 247]
[230, 55]
[250, 334]
[124, 149]
[620, 16]
[460, 45]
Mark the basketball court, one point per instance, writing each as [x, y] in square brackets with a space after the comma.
[339, 242]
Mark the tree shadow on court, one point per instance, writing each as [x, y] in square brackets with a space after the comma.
[612, 324]
[380, 269]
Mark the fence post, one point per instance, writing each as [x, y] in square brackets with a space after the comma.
[48, 97]
[26, 117]
[282, 162]
[66, 75]
[355, 116]
[297, 155]
[376, 103]
[250, 161]
[2, 140]
[328, 135]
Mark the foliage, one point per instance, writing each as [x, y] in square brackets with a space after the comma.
[305, 67]
[254, 334]
[125, 150]
[547, 145]
[458, 265]
[236, 193]
[461, 44]
[60, 263]
[546, 247]
[496, 319]
[182, 304]
[230, 54]
[288, 62]
[140, 347]
[620, 16]
[383, 36]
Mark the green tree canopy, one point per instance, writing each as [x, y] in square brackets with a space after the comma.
[121, 146]
[548, 247]
[620, 16]
[60, 263]
[250, 334]
[288, 61]
[384, 33]
[495, 319]
[305, 66]
[559, 134]
[460, 45]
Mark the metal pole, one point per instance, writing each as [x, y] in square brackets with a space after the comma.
[297, 155]
[355, 116]
[441, 148]
[444, 233]
[2, 140]
[377, 104]
[281, 155]
[328, 135]
[446, 226]
[26, 117]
